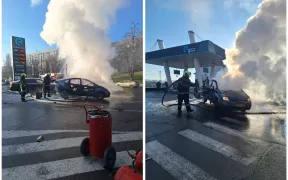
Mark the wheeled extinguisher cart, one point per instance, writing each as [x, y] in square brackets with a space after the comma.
[134, 173]
[99, 142]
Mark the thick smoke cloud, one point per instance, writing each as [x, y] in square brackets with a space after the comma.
[79, 29]
[257, 63]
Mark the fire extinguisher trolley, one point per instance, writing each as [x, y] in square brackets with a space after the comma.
[99, 142]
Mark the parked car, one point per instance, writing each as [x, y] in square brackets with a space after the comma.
[80, 87]
[237, 100]
[33, 85]
[128, 83]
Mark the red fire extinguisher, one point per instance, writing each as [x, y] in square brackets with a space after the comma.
[134, 173]
[99, 143]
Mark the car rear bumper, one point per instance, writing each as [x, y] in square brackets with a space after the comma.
[237, 105]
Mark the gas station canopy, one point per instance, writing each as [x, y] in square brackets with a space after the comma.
[182, 56]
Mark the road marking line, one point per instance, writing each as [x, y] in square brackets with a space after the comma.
[235, 121]
[175, 164]
[23, 133]
[61, 168]
[61, 143]
[233, 132]
[123, 110]
[217, 146]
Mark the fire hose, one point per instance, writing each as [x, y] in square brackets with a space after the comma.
[166, 93]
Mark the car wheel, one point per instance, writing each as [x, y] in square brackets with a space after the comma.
[131, 86]
[64, 94]
[100, 95]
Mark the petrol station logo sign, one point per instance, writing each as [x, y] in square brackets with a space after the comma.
[18, 41]
[189, 50]
[18, 56]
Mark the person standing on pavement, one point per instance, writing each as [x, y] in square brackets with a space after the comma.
[184, 84]
[23, 87]
[47, 81]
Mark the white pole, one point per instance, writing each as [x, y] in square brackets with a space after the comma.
[212, 70]
[198, 71]
[185, 69]
[160, 44]
[191, 36]
[167, 72]
[165, 64]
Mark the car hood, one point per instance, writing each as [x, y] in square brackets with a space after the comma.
[101, 87]
[235, 95]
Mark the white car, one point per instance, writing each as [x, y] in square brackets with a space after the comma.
[128, 83]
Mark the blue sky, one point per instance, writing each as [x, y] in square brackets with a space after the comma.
[215, 20]
[20, 19]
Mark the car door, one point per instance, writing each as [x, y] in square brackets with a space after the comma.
[75, 87]
[126, 83]
[88, 87]
[122, 83]
[129, 83]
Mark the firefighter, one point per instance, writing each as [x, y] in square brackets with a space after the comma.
[47, 81]
[184, 84]
[23, 87]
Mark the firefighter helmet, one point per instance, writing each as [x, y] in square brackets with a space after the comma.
[187, 73]
[23, 75]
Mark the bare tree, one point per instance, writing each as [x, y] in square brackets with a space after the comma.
[7, 61]
[130, 50]
[54, 62]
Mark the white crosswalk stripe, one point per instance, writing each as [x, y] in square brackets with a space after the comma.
[217, 146]
[240, 134]
[61, 143]
[175, 164]
[233, 132]
[24, 133]
[47, 167]
[61, 168]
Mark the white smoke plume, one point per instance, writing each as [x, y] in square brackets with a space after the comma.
[79, 28]
[257, 63]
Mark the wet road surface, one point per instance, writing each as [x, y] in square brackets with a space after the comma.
[63, 126]
[214, 145]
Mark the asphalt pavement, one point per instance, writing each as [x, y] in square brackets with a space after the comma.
[208, 145]
[63, 126]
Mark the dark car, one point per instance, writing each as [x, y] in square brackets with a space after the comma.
[81, 87]
[237, 100]
[33, 85]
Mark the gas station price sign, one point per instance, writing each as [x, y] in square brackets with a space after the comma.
[18, 57]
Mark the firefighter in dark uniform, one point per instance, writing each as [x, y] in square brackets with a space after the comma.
[23, 87]
[184, 84]
[47, 81]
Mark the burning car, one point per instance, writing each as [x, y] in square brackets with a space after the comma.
[237, 100]
[81, 87]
